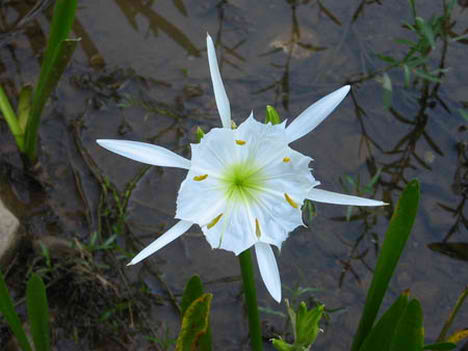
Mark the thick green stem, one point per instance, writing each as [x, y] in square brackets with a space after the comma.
[11, 119]
[245, 261]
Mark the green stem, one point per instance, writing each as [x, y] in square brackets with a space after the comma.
[453, 313]
[12, 121]
[245, 261]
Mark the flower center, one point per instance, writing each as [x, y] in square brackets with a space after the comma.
[242, 181]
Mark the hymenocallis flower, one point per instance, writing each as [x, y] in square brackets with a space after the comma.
[245, 186]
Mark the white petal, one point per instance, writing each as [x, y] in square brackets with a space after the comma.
[329, 197]
[169, 236]
[315, 114]
[200, 201]
[222, 101]
[269, 270]
[235, 230]
[144, 152]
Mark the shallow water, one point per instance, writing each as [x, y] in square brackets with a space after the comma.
[155, 51]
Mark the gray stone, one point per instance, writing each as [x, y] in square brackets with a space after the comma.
[9, 234]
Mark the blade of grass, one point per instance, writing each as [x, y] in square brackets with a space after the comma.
[38, 313]
[8, 311]
[397, 234]
[11, 119]
[56, 57]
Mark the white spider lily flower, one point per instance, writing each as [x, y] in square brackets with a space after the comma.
[245, 186]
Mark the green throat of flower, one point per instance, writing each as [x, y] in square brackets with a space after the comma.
[243, 181]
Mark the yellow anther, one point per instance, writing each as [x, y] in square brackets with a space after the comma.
[233, 125]
[200, 178]
[286, 159]
[258, 232]
[214, 221]
[290, 201]
[240, 142]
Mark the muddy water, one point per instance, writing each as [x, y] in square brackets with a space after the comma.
[141, 73]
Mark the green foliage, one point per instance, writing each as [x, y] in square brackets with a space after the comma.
[58, 53]
[8, 311]
[38, 313]
[440, 346]
[272, 116]
[416, 61]
[397, 234]
[305, 325]
[200, 134]
[401, 328]
[383, 332]
[195, 324]
[24, 126]
[193, 292]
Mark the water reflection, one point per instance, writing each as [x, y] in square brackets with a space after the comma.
[296, 45]
[460, 189]
[156, 22]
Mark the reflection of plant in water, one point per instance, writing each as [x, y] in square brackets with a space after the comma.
[416, 61]
[294, 42]
[460, 188]
[133, 8]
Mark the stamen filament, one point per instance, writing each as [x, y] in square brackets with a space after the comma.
[258, 232]
[290, 201]
[214, 221]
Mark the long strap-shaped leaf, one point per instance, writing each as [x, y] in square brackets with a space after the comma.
[56, 57]
[38, 312]
[8, 311]
[397, 234]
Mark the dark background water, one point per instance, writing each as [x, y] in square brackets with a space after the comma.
[141, 73]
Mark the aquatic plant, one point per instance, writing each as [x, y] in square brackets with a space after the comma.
[38, 313]
[245, 186]
[24, 124]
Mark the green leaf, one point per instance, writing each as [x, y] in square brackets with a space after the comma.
[426, 31]
[307, 324]
[194, 290]
[56, 57]
[200, 134]
[195, 323]
[387, 90]
[24, 106]
[409, 334]
[413, 8]
[388, 59]
[11, 119]
[463, 113]
[440, 346]
[407, 75]
[427, 76]
[272, 116]
[382, 333]
[397, 234]
[8, 311]
[405, 42]
[282, 345]
[38, 313]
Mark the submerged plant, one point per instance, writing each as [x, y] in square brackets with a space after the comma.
[245, 186]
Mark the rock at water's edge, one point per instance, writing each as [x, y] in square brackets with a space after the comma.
[9, 234]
